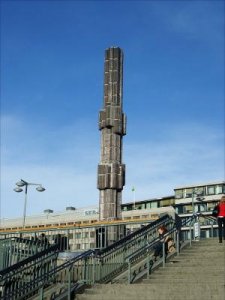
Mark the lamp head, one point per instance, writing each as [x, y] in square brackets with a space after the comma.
[40, 188]
[20, 183]
[18, 189]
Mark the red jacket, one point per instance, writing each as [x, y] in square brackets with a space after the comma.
[221, 207]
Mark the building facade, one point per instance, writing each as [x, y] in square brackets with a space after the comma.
[82, 229]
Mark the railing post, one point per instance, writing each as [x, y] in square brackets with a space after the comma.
[178, 242]
[212, 230]
[164, 255]
[149, 265]
[84, 270]
[69, 283]
[67, 241]
[41, 292]
[129, 272]
[93, 270]
[190, 234]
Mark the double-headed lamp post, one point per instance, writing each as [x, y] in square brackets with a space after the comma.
[198, 195]
[18, 189]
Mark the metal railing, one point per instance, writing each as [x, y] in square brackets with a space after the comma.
[22, 279]
[13, 250]
[42, 276]
[145, 254]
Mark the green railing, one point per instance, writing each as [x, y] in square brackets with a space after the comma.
[41, 276]
[112, 260]
[34, 274]
[13, 250]
[97, 266]
[23, 279]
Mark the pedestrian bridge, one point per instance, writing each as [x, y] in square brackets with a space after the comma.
[31, 269]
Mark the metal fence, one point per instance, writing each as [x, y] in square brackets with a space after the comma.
[44, 275]
[14, 249]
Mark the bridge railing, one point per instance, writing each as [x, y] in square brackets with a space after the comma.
[112, 260]
[14, 249]
[92, 266]
[100, 265]
[22, 279]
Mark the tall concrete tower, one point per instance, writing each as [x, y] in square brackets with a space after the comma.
[112, 124]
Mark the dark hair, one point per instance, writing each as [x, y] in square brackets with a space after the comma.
[163, 228]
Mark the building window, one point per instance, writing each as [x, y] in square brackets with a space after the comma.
[220, 189]
[148, 205]
[211, 205]
[188, 208]
[200, 190]
[188, 193]
[179, 194]
[92, 234]
[211, 190]
[180, 209]
[77, 235]
[85, 235]
[154, 204]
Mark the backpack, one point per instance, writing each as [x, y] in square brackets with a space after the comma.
[215, 211]
[171, 245]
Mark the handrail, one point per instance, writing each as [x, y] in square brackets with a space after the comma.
[15, 249]
[20, 279]
[28, 260]
[156, 240]
[88, 267]
[140, 231]
[208, 217]
[150, 245]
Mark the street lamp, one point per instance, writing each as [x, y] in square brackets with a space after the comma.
[198, 194]
[19, 189]
[48, 211]
[198, 198]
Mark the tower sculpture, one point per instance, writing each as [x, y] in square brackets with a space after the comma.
[112, 124]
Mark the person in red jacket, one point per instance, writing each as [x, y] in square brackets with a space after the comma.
[221, 218]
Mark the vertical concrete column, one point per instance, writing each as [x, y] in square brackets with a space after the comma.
[112, 124]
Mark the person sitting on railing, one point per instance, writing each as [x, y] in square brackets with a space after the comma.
[219, 212]
[43, 240]
[169, 243]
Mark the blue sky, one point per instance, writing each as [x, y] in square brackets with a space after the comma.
[52, 55]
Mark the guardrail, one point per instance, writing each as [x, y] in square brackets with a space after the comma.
[42, 275]
[13, 250]
[18, 281]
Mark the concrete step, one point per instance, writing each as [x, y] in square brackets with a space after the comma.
[185, 262]
[154, 288]
[154, 297]
[210, 263]
[162, 293]
[190, 272]
[207, 252]
[198, 273]
[180, 281]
